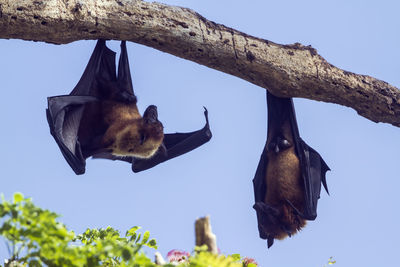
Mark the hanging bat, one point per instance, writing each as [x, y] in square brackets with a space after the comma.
[100, 118]
[288, 179]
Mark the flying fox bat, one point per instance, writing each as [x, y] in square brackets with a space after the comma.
[100, 118]
[287, 183]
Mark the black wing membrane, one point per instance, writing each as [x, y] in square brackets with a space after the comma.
[313, 172]
[260, 189]
[313, 166]
[124, 73]
[64, 113]
[175, 145]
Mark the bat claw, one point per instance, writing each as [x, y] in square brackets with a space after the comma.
[207, 126]
[296, 211]
[325, 185]
[270, 241]
[206, 114]
[286, 230]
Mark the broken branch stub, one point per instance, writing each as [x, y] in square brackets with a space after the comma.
[204, 234]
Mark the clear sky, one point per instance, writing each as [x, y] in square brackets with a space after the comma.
[357, 224]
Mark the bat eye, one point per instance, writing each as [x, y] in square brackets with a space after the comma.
[142, 139]
[283, 143]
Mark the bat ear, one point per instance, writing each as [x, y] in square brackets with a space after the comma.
[150, 115]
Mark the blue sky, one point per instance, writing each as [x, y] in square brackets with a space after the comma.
[357, 224]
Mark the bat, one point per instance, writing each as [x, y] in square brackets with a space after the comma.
[288, 178]
[174, 145]
[100, 119]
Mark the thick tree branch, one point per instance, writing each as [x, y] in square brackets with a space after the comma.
[285, 70]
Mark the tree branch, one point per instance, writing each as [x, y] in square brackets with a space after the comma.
[285, 70]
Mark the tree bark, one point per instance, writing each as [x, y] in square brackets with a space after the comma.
[204, 234]
[285, 70]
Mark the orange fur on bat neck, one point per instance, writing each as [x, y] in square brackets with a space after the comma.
[126, 128]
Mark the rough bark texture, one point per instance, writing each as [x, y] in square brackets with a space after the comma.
[204, 234]
[285, 70]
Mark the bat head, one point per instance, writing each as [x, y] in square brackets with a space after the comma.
[138, 137]
[278, 144]
[277, 222]
[151, 133]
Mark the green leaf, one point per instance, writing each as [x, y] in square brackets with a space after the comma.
[34, 263]
[132, 231]
[146, 236]
[18, 197]
[126, 254]
[152, 244]
[201, 248]
[236, 257]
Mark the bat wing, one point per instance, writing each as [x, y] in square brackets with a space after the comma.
[260, 189]
[101, 64]
[175, 144]
[124, 73]
[314, 169]
[64, 113]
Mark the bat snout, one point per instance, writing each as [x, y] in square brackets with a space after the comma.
[274, 146]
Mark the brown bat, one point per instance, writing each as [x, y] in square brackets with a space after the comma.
[287, 183]
[100, 118]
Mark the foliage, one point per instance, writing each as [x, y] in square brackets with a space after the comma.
[331, 261]
[35, 238]
[203, 258]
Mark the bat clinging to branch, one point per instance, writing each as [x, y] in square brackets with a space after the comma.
[288, 179]
[100, 118]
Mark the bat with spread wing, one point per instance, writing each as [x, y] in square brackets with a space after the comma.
[100, 118]
[287, 183]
